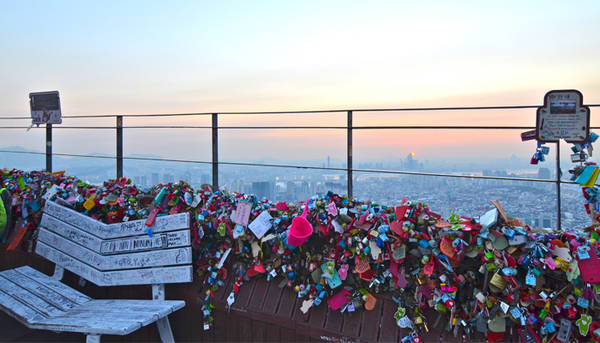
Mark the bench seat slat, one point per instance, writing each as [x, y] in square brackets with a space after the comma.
[57, 286]
[100, 326]
[39, 289]
[143, 318]
[145, 259]
[145, 276]
[28, 298]
[162, 308]
[18, 310]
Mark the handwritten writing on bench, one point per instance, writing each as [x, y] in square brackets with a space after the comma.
[154, 258]
[141, 243]
[118, 277]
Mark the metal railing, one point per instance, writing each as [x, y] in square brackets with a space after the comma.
[350, 128]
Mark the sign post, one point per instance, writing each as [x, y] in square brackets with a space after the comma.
[563, 115]
[45, 109]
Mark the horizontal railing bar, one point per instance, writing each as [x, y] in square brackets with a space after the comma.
[442, 127]
[377, 171]
[405, 109]
[381, 127]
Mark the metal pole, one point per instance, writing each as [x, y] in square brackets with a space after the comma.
[49, 147]
[349, 153]
[215, 151]
[119, 147]
[558, 211]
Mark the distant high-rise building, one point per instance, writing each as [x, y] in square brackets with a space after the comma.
[205, 179]
[410, 163]
[168, 178]
[328, 162]
[543, 173]
[262, 189]
[187, 176]
[155, 179]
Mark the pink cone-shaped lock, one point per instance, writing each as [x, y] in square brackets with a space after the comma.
[300, 230]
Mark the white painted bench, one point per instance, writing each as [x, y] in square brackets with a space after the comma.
[107, 255]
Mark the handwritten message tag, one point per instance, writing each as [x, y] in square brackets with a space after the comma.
[261, 224]
[51, 192]
[242, 213]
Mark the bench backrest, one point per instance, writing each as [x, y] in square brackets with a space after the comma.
[116, 254]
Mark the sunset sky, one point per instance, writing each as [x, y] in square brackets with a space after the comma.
[133, 57]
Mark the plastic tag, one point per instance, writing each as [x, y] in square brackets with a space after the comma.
[583, 324]
[306, 305]
[230, 299]
[564, 332]
[583, 302]
[550, 327]
[550, 262]
[504, 306]
[530, 279]
[238, 231]
[582, 253]
[339, 300]
[515, 313]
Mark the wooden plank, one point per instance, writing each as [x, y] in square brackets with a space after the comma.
[318, 315]
[71, 232]
[286, 304]
[156, 258]
[274, 334]
[242, 298]
[223, 292]
[172, 239]
[272, 299]
[245, 330]
[258, 297]
[59, 287]
[287, 335]
[88, 325]
[351, 326]
[104, 231]
[160, 307]
[389, 328]
[29, 298]
[259, 331]
[55, 285]
[38, 289]
[115, 278]
[18, 310]
[335, 320]
[370, 323]
[144, 318]
[297, 315]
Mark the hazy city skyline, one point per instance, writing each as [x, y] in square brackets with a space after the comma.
[152, 57]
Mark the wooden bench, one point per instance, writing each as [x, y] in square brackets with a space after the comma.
[107, 255]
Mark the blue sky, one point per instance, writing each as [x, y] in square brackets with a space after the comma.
[197, 56]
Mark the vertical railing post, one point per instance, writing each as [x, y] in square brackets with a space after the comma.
[558, 210]
[215, 151]
[349, 153]
[119, 147]
[49, 147]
